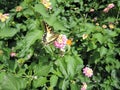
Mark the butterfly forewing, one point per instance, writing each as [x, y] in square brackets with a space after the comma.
[49, 36]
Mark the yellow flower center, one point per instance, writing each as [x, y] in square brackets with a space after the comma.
[59, 39]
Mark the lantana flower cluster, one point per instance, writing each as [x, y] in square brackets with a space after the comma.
[18, 8]
[110, 6]
[84, 36]
[61, 42]
[12, 54]
[84, 86]
[3, 17]
[47, 4]
[89, 73]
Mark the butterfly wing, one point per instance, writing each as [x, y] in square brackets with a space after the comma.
[49, 36]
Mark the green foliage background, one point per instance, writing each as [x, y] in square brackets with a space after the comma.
[39, 67]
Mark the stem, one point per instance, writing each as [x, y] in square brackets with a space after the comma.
[117, 15]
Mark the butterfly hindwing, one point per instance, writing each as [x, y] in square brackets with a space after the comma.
[49, 35]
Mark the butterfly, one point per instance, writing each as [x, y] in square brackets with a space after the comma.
[49, 35]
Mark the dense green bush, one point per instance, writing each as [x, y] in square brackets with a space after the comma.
[27, 64]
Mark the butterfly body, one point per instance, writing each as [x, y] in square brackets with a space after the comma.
[49, 36]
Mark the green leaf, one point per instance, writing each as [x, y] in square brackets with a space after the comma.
[99, 37]
[59, 26]
[12, 65]
[2, 74]
[41, 81]
[103, 51]
[94, 58]
[7, 32]
[41, 70]
[118, 3]
[28, 12]
[51, 19]
[117, 64]
[71, 66]
[62, 66]
[10, 82]
[41, 9]
[109, 19]
[32, 36]
[91, 46]
[113, 73]
[56, 72]
[74, 86]
[33, 24]
[77, 58]
[89, 27]
[53, 80]
[65, 85]
[19, 14]
[81, 4]
[54, 2]
[78, 62]
[49, 49]
[108, 69]
[76, 0]
[111, 33]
